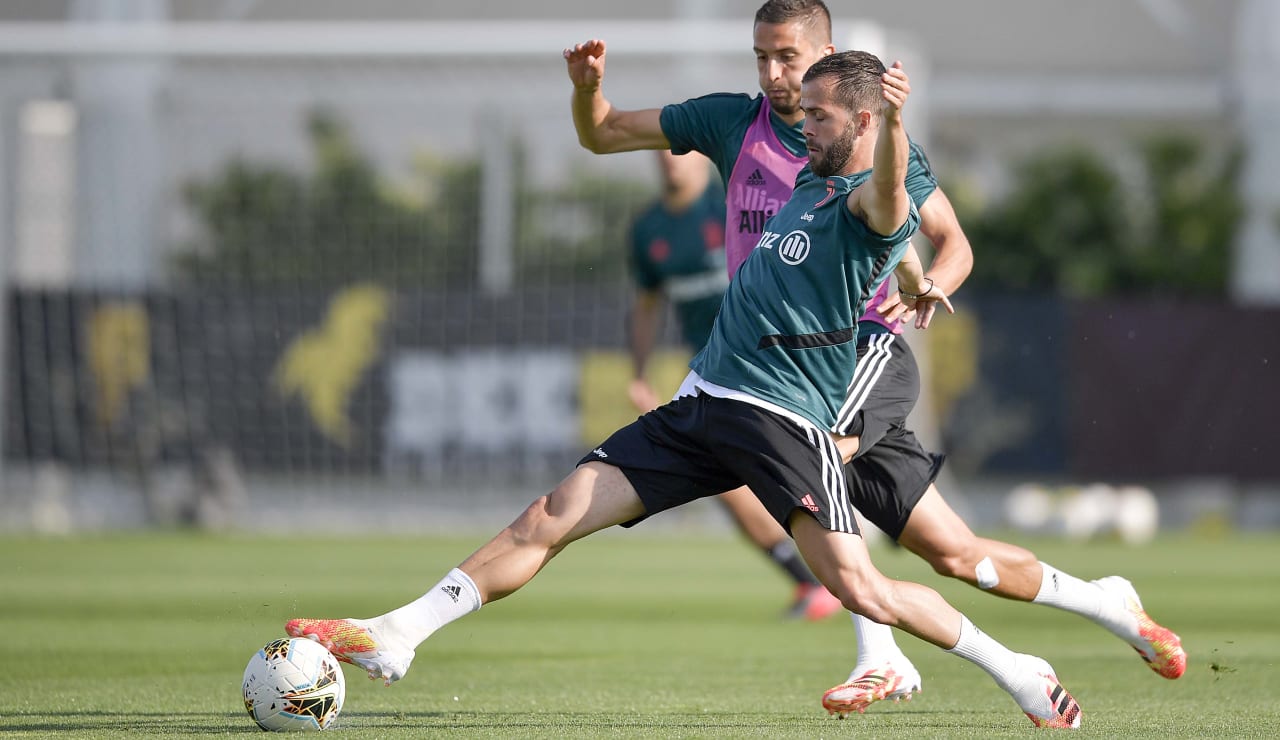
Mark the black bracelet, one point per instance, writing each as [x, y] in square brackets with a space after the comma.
[919, 295]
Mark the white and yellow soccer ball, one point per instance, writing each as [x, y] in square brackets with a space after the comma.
[293, 685]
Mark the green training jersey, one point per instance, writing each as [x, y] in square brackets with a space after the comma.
[716, 125]
[681, 255]
[787, 328]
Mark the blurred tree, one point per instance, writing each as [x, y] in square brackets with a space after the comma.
[265, 223]
[1195, 211]
[579, 229]
[1062, 227]
[1071, 224]
[262, 223]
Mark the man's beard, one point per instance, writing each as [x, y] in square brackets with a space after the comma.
[784, 108]
[833, 158]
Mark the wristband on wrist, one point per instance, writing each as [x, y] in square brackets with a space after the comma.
[926, 292]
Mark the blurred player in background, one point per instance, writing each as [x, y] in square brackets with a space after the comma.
[755, 409]
[758, 145]
[677, 255]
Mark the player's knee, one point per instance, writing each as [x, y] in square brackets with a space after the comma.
[954, 556]
[869, 599]
[953, 565]
[973, 567]
[535, 525]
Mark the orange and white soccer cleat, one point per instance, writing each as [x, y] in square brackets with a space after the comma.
[896, 681]
[358, 642]
[1159, 646]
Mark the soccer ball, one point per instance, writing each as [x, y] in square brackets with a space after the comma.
[1029, 507]
[1137, 515]
[293, 684]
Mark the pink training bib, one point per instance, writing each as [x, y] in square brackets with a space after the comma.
[762, 179]
[876, 300]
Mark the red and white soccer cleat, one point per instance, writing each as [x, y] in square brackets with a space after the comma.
[896, 681]
[1159, 646]
[358, 642]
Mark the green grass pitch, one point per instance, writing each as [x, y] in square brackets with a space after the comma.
[625, 635]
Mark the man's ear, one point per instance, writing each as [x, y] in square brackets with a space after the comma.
[864, 120]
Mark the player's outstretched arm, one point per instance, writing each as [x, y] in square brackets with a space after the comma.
[917, 294]
[953, 256]
[883, 200]
[952, 260]
[642, 335]
[602, 128]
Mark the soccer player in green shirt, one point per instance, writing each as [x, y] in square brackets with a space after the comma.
[754, 410]
[677, 255]
[757, 144]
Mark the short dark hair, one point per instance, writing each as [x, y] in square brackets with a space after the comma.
[858, 75]
[812, 14]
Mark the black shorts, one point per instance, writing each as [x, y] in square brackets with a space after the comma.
[887, 482]
[884, 389]
[890, 471]
[698, 446]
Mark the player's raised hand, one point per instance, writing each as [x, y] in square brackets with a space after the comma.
[894, 87]
[892, 309]
[643, 396]
[922, 305]
[586, 64]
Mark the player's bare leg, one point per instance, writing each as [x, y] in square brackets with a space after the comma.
[841, 561]
[882, 671]
[812, 600]
[593, 497]
[936, 533]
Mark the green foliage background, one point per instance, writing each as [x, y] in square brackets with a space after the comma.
[342, 222]
[1070, 225]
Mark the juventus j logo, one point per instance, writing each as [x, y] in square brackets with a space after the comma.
[831, 191]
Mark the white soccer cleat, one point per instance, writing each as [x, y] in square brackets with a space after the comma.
[358, 642]
[896, 680]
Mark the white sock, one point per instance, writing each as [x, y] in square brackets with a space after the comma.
[982, 650]
[454, 596]
[1065, 591]
[876, 645]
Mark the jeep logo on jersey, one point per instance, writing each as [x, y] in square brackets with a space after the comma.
[794, 247]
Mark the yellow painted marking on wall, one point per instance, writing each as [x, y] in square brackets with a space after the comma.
[603, 388]
[324, 365]
[953, 360]
[119, 353]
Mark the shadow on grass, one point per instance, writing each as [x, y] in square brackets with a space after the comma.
[43, 724]
[622, 720]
